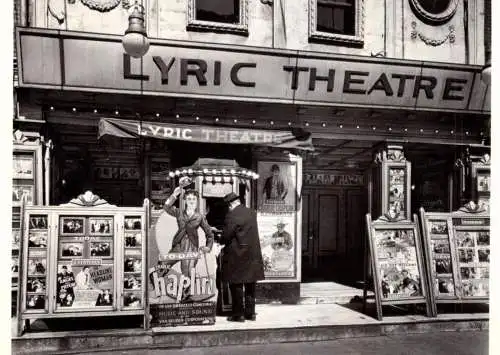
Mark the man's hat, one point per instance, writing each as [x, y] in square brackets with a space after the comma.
[280, 224]
[230, 197]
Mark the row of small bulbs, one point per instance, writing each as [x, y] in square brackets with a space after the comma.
[306, 124]
[224, 173]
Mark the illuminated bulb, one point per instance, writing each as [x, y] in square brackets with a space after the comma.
[452, 132]
[272, 122]
[467, 133]
[177, 116]
[436, 131]
[157, 114]
[205, 171]
[341, 126]
[190, 171]
[224, 171]
[216, 119]
[116, 112]
[307, 124]
[482, 133]
[253, 121]
[235, 120]
[289, 123]
[197, 118]
[177, 172]
[257, 176]
[323, 124]
[184, 171]
[51, 108]
[413, 187]
[390, 129]
[233, 171]
[374, 128]
[214, 171]
[95, 111]
[357, 126]
[74, 109]
[421, 130]
[406, 129]
[171, 174]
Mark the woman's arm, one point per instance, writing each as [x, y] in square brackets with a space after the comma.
[169, 204]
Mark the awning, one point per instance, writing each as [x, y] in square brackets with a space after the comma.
[293, 139]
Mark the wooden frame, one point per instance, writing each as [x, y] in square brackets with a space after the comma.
[459, 222]
[397, 229]
[107, 272]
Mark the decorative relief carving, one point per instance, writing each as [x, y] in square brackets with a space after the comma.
[101, 5]
[433, 12]
[88, 199]
[472, 207]
[358, 39]
[430, 41]
[393, 153]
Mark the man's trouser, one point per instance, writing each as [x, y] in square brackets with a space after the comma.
[239, 296]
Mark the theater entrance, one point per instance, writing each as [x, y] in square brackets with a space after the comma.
[332, 233]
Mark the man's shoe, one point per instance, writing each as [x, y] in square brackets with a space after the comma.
[251, 317]
[236, 319]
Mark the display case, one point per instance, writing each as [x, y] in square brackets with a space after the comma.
[457, 251]
[391, 183]
[82, 259]
[481, 181]
[27, 183]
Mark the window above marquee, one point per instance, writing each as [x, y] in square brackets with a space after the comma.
[218, 16]
[434, 12]
[337, 21]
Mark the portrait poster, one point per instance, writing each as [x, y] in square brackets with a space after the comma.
[396, 255]
[19, 190]
[81, 286]
[278, 244]
[180, 296]
[276, 187]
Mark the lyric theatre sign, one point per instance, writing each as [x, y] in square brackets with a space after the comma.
[243, 73]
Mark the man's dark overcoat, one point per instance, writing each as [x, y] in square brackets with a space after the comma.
[242, 256]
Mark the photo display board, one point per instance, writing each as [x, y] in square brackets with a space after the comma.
[457, 247]
[397, 261]
[79, 261]
[277, 218]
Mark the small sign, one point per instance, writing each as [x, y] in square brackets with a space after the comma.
[216, 190]
[172, 314]
[333, 179]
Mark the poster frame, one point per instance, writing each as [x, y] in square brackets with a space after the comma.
[462, 213]
[387, 223]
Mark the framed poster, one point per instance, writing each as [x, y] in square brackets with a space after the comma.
[70, 226]
[277, 219]
[457, 245]
[100, 226]
[20, 190]
[23, 166]
[397, 262]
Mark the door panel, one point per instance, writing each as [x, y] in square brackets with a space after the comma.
[357, 207]
[306, 224]
[328, 210]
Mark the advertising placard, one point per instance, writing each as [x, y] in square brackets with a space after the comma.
[276, 218]
[181, 279]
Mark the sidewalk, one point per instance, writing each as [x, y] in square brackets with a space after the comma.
[275, 324]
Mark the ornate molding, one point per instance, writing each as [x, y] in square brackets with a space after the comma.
[101, 5]
[430, 41]
[427, 16]
[357, 39]
[237, 28]
[485, 159]
[88, 199]
[392, 153]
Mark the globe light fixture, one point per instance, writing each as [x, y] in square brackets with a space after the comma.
[135, 41]
[486, 73]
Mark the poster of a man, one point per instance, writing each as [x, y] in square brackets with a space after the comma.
[277, 185]
[65, 285]
[281, 239]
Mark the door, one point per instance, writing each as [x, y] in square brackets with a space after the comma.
[332, 234]
[322, 224]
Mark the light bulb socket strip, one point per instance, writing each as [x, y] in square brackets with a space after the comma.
[224, 175]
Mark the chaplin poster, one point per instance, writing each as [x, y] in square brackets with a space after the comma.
[182, 266]
[276, 188]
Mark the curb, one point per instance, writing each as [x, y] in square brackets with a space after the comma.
[101, 341]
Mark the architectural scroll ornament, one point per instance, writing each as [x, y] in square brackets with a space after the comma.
[57, 9]
[101, 5]
[88, 199]
[430, 41]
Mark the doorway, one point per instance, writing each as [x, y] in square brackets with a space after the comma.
[332, 234]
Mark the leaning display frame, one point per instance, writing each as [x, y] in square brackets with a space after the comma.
[85, 258]
[397, 261]
[457, 252]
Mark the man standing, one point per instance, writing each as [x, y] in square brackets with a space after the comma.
[275, 187]
[242, 264]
